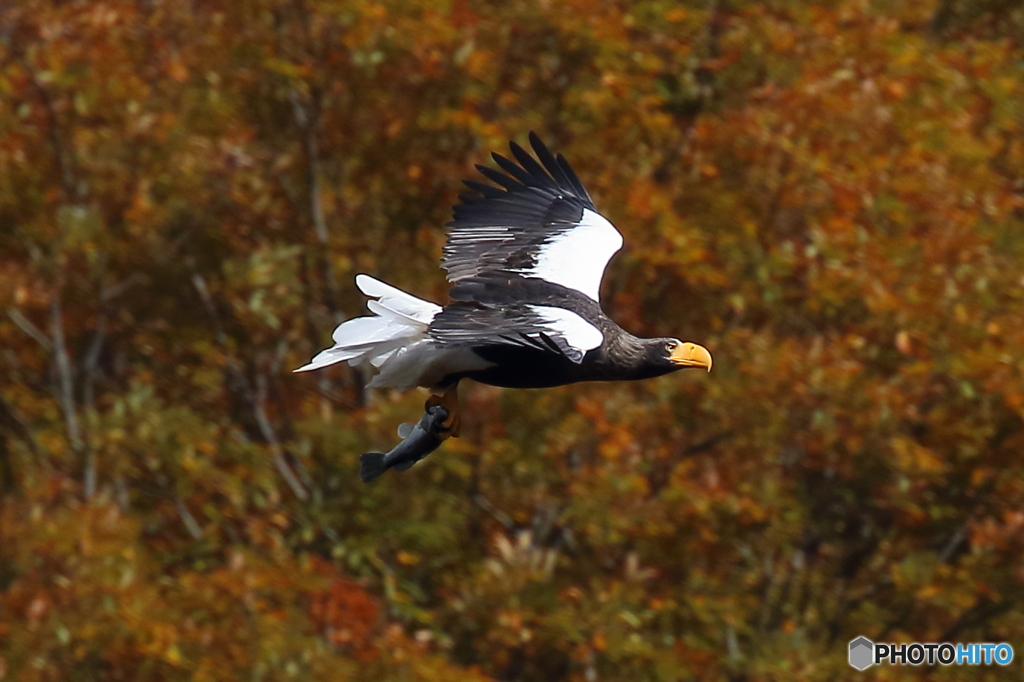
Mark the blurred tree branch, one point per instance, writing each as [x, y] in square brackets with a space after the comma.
[253, 396]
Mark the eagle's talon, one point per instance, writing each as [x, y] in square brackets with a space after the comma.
[449, 400]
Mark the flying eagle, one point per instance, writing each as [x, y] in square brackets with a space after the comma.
[525, 259]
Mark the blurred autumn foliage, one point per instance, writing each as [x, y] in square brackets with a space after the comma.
[830, 196]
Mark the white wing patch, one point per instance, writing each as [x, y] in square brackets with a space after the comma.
[576, 331]
[576, 259]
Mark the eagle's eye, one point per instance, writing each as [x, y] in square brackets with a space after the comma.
[670, 346]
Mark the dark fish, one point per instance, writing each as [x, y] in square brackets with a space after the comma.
[418, 442]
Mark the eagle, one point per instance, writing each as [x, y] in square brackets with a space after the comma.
[525, 258]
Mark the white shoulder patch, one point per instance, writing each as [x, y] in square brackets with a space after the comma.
[576, 259]
[576, 331]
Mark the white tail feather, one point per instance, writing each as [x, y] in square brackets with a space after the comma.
[390, 313]
[381, 359]
[399, 320]
[397, 300]
[362, 330]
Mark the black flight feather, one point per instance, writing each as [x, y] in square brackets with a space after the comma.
[549, 162]
[530, 165]
[499, 178]
[574, 180]
[515, 171]
[487, 191]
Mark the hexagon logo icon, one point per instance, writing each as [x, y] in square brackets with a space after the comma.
[862, 653]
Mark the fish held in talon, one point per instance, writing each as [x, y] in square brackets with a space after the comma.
[525, 257]
[418, 442]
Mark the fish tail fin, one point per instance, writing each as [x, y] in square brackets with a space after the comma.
[371, 466]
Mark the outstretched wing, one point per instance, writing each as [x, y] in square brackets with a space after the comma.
[540, 223]
[546, 328]
[490, 310]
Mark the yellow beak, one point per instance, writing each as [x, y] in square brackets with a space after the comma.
[691, 355]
